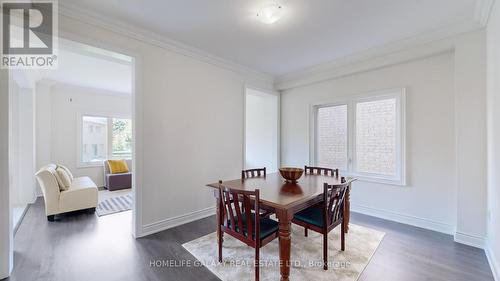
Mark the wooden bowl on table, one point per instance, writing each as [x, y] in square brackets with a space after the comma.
[291, 174]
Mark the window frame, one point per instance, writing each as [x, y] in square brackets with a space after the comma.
[109, 137]
[400, 177]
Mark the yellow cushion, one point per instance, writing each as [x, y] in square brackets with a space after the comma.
[118, 166]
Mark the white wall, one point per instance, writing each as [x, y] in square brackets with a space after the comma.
[14, 148]
[43, 126]
[446, 134]
[22, 150]
[261, 130]
[470, 137]
[26, 166]
[58, 109]
[6, 239]
[22, 140]
[188, 121]
[493, 55]
[430, 135]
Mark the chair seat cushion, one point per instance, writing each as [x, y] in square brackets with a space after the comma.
[312, 215]
[267, 226]
[118, 181]
[82, 194]
[82, 182]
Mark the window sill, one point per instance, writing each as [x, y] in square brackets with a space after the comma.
[401, 183]
[90, 165]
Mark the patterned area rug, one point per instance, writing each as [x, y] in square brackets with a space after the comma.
[307, 255]
[114, 204]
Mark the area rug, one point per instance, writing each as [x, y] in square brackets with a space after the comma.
[114, 204]
[306, 255]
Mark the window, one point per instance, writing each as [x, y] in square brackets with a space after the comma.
[362, 136]
[104, 138]
[122, 138]
[89, 139]
[332, 136]
[376, 137]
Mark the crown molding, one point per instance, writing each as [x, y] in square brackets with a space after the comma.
[419, 46]
[482, 11]
[148, 37]
[392, 53]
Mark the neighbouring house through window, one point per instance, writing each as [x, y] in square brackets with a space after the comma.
[362, 136]
[107, 138]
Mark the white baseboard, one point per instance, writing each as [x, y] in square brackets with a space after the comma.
[158, 226]
[471, 240]
[492, 260]
[406, 219]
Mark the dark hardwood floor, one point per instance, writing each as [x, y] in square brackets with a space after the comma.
[82, 246]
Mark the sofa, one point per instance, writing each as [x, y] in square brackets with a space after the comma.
[117, 181]
[81, 194]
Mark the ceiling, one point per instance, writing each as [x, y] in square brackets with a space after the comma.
[310, 33]
[84, 66]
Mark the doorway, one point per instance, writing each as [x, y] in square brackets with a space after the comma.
[77, 116]
[261, 130]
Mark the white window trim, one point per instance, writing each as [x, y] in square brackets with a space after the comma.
[400, 179]
[79, 119]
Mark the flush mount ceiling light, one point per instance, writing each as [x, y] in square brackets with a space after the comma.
[270, 12]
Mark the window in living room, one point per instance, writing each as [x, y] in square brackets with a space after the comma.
[94, 138]
[104, 138]
[122, 138]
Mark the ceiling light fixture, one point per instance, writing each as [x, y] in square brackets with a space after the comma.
[270, 12]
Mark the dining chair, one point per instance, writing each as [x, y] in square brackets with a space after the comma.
[321, 171]
[325, 217]
[237, 218]
[253, 173]
[256, 173]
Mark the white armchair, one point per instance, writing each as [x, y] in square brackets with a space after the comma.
[82, 193]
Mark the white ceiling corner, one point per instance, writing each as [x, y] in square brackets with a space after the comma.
[381, 56]
[483, 11]
[88, 16]
[401, 50]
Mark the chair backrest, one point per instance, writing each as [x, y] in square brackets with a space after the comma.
[236, 213]
[334, 198]
[321, 171]
[50, 188]
[253, 173]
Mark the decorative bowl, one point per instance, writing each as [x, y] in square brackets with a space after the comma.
[291, 188]
[291, 174]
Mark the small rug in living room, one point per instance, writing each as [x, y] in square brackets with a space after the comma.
[110, 203]
[307, 255]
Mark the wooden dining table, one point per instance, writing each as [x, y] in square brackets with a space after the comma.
[286, 199]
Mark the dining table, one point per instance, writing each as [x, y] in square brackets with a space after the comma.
[285, 199]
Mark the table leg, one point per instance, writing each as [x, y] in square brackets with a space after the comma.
[347, 209]
[218, 213]
[285, 239]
